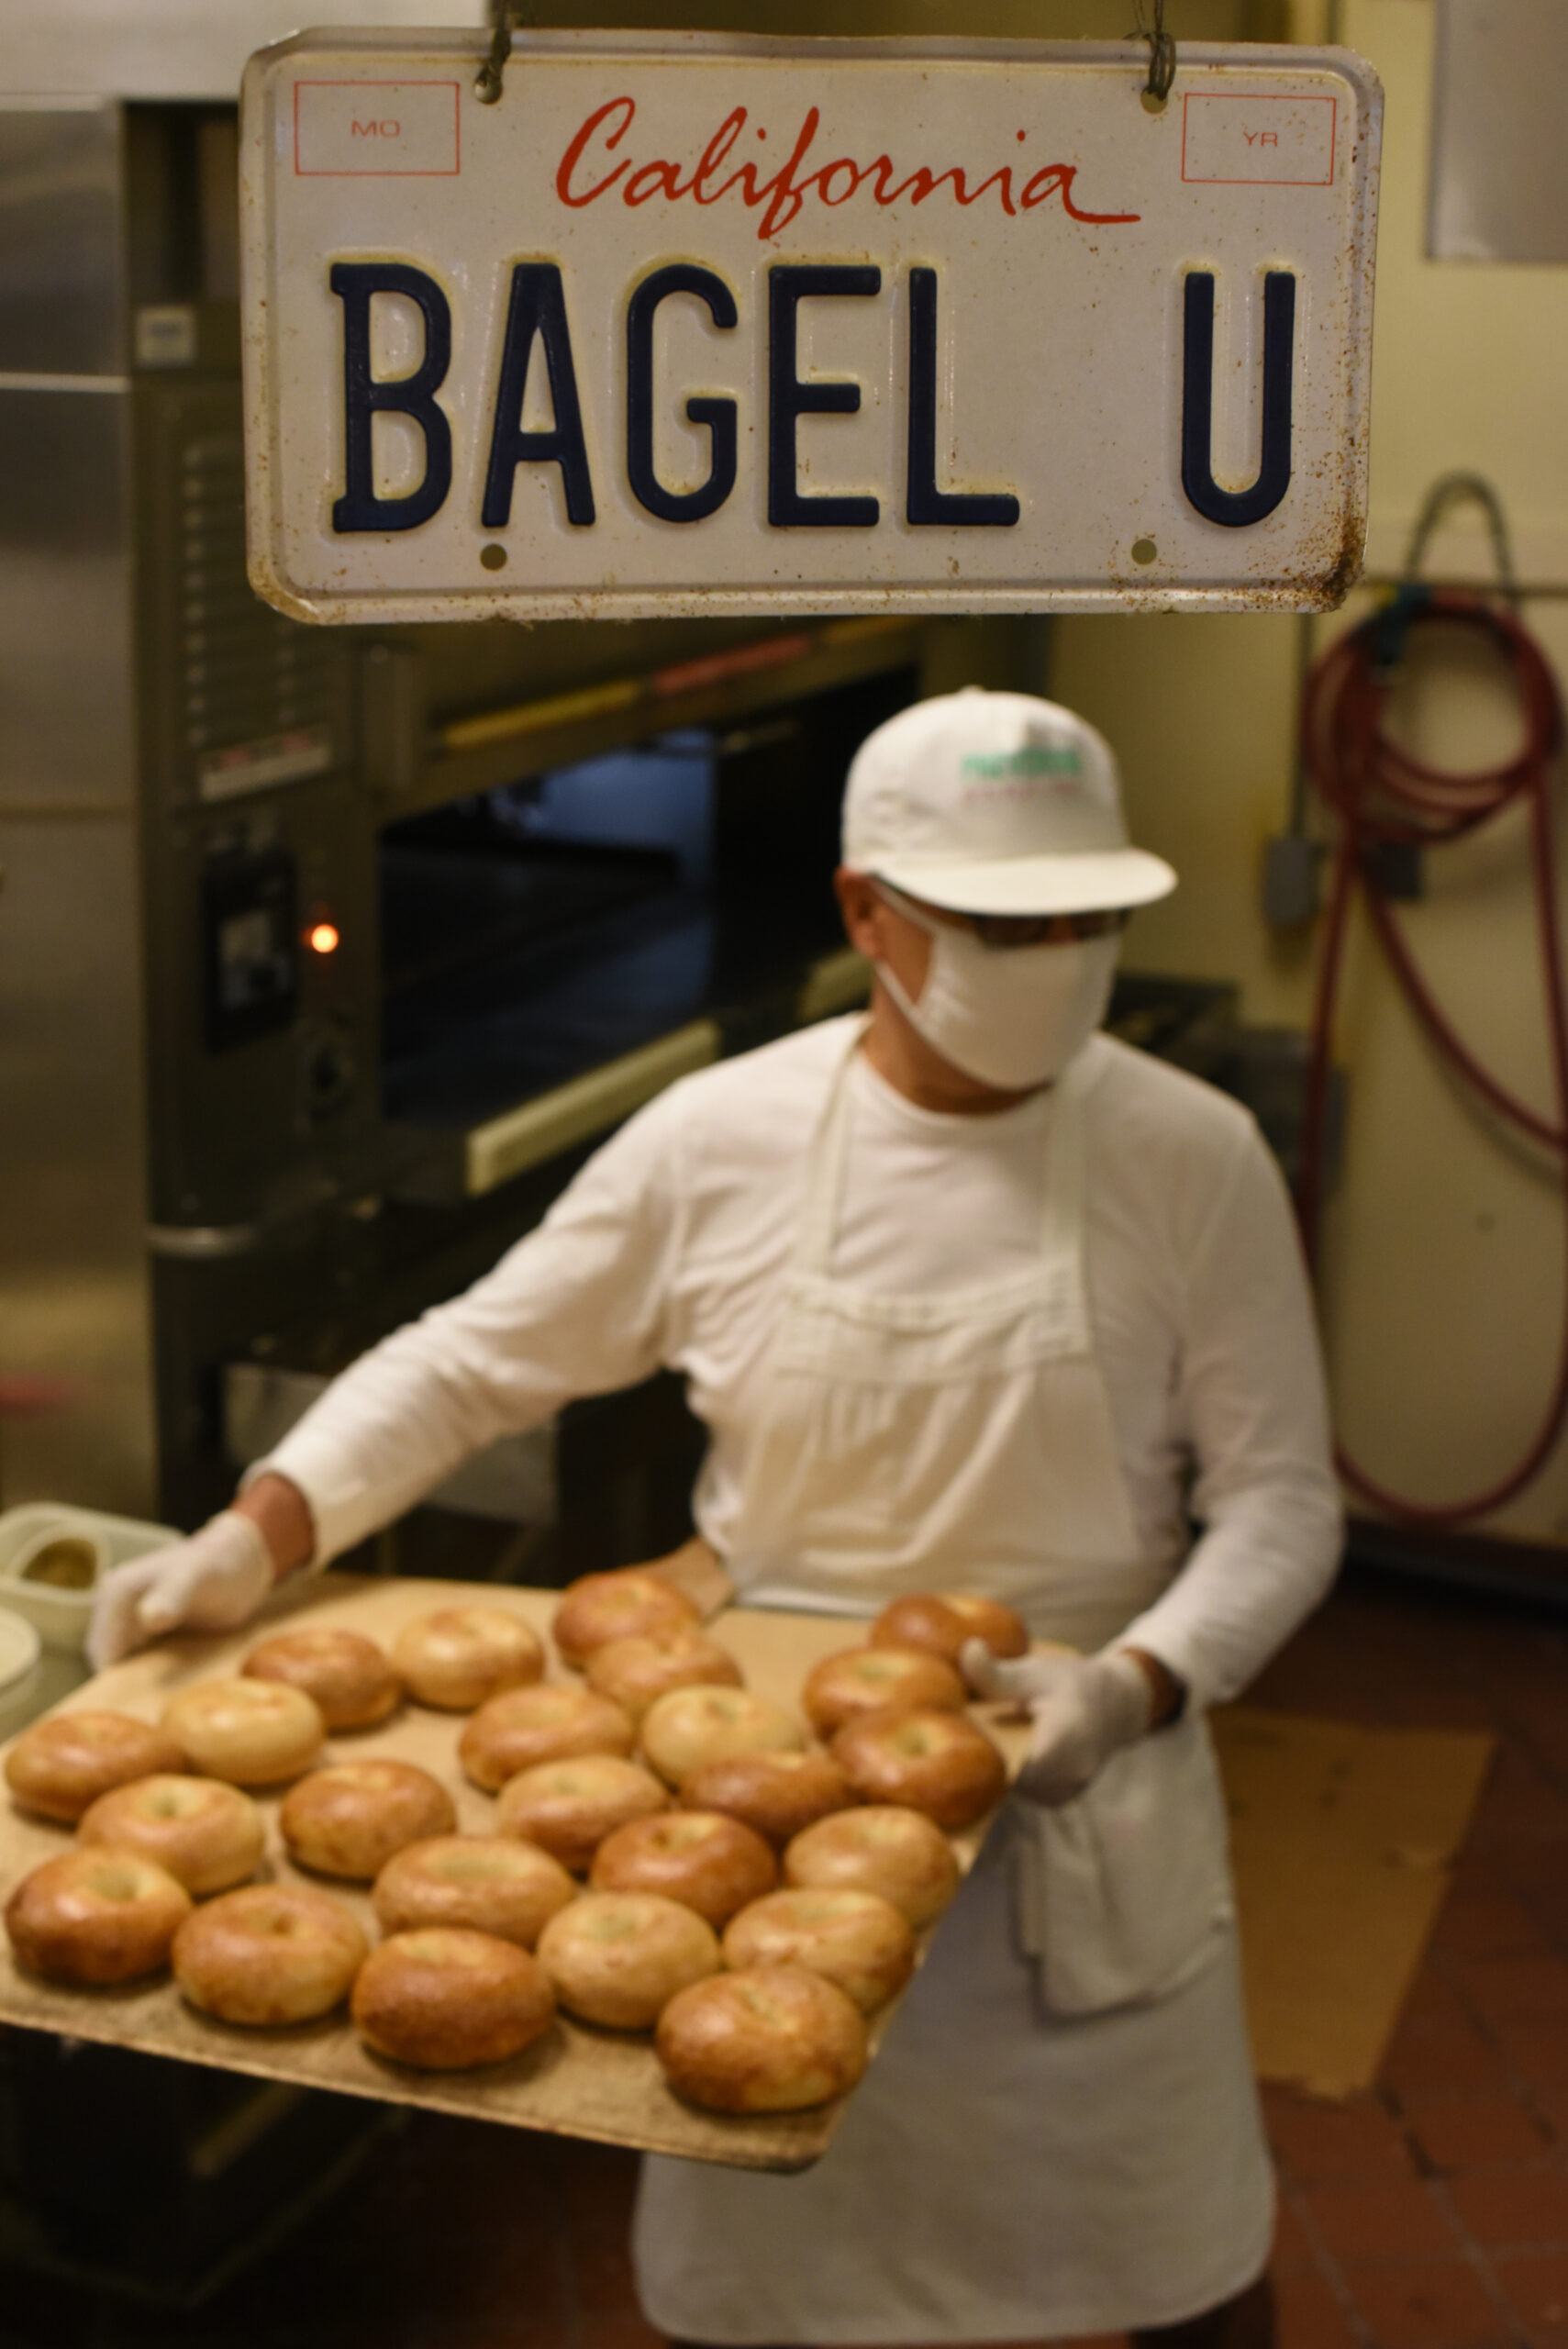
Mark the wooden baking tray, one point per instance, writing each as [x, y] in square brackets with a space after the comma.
[579, 2081]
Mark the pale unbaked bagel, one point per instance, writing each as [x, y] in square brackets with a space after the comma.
[855, 1939]
[879, 1847]
[633, 1671]
[348, 1821]
[617, 1958]
[774, 2039]
[455, 1657]
[446, 1998]
[95, 1916]
[940, 1622]
[252, 1732]
[61, 1766]
[269, 1954]
[348, 1675]
[872, 1680]
[551, 1722]
[691, 1726]
[209, 1835]
[710, 1862]
[778, 1793]
[621, 1605]
[569, 1808]
[935, 1761]
[491, 1884]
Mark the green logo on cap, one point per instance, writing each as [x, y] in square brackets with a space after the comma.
[1035, 758]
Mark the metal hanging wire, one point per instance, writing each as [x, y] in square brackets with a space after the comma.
[489, 82]
[1162, 51]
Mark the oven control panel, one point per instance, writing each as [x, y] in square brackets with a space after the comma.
[250, 945]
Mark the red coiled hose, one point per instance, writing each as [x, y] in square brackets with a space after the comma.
[1382, 795]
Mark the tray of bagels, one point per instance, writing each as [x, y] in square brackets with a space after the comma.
[576, 1861]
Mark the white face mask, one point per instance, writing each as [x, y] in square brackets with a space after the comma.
[1012, 1015]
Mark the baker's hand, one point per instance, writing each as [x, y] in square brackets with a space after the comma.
[1082, 1707]
[213, 1582]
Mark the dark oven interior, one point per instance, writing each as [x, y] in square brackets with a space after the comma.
[540, 928]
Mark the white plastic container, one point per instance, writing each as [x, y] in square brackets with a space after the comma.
[21, 1670]
[61, 1615]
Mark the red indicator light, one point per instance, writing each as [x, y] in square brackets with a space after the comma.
[322, 938]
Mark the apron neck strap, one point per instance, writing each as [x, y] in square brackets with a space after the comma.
[1062, 1191]
[826, 1165]
[1063, 1200]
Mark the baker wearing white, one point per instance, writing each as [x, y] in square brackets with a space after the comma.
[947, 1327]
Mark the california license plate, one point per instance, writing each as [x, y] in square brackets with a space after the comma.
[688, 324]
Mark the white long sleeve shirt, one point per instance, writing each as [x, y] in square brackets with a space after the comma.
[672, 1245]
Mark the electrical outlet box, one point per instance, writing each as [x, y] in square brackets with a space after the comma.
[1290, 881]
[1396, 870]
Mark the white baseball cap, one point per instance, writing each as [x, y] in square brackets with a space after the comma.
[990, 803]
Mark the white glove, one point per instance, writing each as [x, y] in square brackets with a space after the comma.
[214, 1582]
[1082, 1709]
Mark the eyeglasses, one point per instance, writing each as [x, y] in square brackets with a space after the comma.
[1042, 930]
[1008, 930]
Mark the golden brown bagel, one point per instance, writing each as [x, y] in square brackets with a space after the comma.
[627, 1603]
[95, 1916]
[879, 1847]
[774, 2039]
[940, 1622]
[269, 1954]
[778, 1793]
[209, 1835]
[350, 1679]
[712, 1864]
[63, 1764]
[854, 1939]
[349, 1820]
[492, 1883]
[456, 1657]
[633, 1671]
[617, 1958]
[935, 1761]
[874, 1680]
[691, 1726]
[549, 1723]
[445, 1999]
[569, 1808]
[252, 1732]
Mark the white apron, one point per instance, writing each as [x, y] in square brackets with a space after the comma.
[1061, 2133]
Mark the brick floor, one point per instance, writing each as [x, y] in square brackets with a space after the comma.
[1474, 2086]
[1481, 1925]
[1515, 1988]
[1454, 2054]
[1535, 2286]
[1437, 2303]
[1312, 2315]
[1523, 2206]
[1375, 2220]
[1431, 2213]
[1328, 2143]
[1460, 2133]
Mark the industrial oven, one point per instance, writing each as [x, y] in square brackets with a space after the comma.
[326, 956]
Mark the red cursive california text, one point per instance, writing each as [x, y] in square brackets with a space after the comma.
[583, 178]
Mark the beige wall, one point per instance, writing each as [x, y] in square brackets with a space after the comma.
[1443, 1274]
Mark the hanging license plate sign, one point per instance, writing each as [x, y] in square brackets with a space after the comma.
[702, 324]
